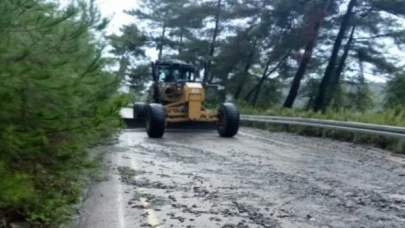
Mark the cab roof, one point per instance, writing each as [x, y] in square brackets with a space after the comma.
[174, 62]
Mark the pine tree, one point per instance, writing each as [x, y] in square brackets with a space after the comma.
[395, 93]
[266, 47]
[57, 100]
[330, 69]
[312, 24]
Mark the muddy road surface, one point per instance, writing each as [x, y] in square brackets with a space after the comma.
[257, 179]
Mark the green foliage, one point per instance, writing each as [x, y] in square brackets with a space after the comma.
[394, 117]
[256, 59]
[56, 102]
[138, 77]
[395, 91]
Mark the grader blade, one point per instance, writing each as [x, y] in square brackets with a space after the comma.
[129, 120]
[137, 123]
[195, 126]
[134, 123]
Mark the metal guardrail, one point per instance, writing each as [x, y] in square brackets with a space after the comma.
[391, 131]
[331, 124]
[375, 129]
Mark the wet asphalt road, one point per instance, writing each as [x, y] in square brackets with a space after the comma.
[257, 179]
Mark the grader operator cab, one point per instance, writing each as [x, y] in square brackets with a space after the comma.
[176, 96]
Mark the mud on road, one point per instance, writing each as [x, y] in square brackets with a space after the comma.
[257, 179]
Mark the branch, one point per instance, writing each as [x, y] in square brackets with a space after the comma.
[390, 34]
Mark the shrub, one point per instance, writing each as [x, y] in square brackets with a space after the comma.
[56, 102]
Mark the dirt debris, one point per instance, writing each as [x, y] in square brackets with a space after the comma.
[264, 180]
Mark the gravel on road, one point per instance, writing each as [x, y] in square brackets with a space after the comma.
[257, 179]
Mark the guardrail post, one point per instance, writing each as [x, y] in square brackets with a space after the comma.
[356, 137]
[324, 132]
[286, 127]
[400, 145]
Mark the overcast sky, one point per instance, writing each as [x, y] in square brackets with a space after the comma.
[115, 8]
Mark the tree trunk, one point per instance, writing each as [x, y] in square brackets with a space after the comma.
[361, 65]
[295, 85]
[262, 80]
[342, 62]
[225, 81]
[123, 66]
[309, 104]
[336, 77]
[161, 42]
[265, 75]
[181, 40]
[213, 43]
[257, 93]
[245, 71]
[324, 85]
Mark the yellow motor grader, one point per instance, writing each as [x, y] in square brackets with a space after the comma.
[176, 96]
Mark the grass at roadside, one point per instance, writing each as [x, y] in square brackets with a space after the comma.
[392, 117]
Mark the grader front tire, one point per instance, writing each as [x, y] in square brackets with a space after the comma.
[155, 120]
[228, 124]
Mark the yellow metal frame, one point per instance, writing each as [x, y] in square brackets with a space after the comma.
[192, 96]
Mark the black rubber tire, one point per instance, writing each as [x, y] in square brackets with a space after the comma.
[228, 124]
[155, 120]
[139, 110]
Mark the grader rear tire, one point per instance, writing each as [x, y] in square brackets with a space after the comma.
[139, 110]
[228, 124]
[155, 120]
